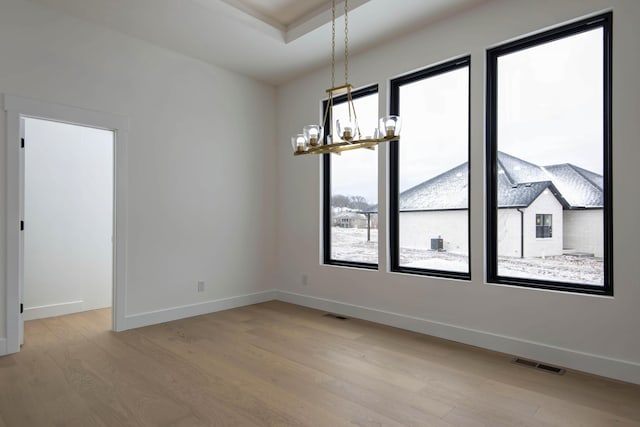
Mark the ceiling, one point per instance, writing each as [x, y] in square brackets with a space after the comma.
[269, 40]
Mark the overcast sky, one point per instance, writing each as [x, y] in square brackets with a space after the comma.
[550, 112]
[550, 102]
[355, 172]
[435, 133]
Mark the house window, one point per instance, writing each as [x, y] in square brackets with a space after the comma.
[429, 172]
[350, 190]
[543, 226]
[549, 149]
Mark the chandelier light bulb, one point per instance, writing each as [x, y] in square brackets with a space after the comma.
[390, 126]
[313, 134]
[299, 142]
[346, 129]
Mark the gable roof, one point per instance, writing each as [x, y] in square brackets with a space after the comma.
[522, 195]
[581, 188]
[519, 171]
[519, 184]
[448, 190]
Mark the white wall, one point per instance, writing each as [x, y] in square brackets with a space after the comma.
[69, 216]
[596, 334]
[509, 243]
[583, 231]
[546, 203]
[418, 228]
[200, 165]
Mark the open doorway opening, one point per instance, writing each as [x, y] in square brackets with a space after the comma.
[68, 218]
[18, 109]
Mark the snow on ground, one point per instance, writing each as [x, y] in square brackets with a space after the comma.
[350, 244]
[562, 268]
[433, 260]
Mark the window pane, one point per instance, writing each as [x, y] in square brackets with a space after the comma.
[354, 190]
[549, 156]
[433, 172]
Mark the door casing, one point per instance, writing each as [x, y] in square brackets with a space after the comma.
[17, 108]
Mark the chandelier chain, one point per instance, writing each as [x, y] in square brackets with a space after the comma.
[333, 43]
[346, 41]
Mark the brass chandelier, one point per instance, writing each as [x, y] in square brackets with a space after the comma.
[315, 140]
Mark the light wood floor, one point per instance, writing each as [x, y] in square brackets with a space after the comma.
[280, 364]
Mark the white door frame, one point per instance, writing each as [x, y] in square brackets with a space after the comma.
[16, 109]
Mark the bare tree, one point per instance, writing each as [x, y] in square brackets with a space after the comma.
[358, 203]
[340, 201]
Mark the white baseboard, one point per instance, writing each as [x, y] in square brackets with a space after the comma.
[591, 363]
[3, 347]
[181, 312]
[567, 358]
[52, 310]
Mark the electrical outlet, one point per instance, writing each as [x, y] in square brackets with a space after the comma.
[305, 280]
[200, 285]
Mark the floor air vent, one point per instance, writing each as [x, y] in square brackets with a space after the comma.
[536, 365]
[336, 316]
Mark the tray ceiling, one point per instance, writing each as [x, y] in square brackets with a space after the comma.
[269, 40]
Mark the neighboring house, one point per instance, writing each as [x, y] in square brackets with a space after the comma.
[347, 218]
[542, 211]
[437, 209]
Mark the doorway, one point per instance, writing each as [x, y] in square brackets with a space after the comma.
[68, 218]
[18, 111]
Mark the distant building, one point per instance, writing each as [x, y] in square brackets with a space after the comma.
[542, 211]
[348, 218]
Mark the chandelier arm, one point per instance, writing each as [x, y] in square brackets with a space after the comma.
[355, 119]
[351, 108]
[325, 122]
[350, 105]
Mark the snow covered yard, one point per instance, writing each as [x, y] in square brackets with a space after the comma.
[350, 244]
[561, 268]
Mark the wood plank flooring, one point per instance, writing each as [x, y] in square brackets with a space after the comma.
[277, 364]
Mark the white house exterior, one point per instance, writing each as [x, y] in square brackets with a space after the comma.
[347, 218]
[511, 221]
[579, 233]
[568, 197]
[417, 228]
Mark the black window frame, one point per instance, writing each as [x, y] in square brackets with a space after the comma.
[605, 22]
[326, 186]
[544, 231]
[394, 170]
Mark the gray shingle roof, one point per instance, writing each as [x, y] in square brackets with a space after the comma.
[522, 195]
[519, 171]
[445, 191]
[580, 187]
[519, 184]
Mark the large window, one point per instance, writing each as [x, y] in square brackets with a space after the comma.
[350, 205]
[549, 157]
[429, 172]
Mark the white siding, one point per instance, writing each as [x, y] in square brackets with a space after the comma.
[418, 228]
[546, 203]
[509, 229]
[583, 231]
[509, 233]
